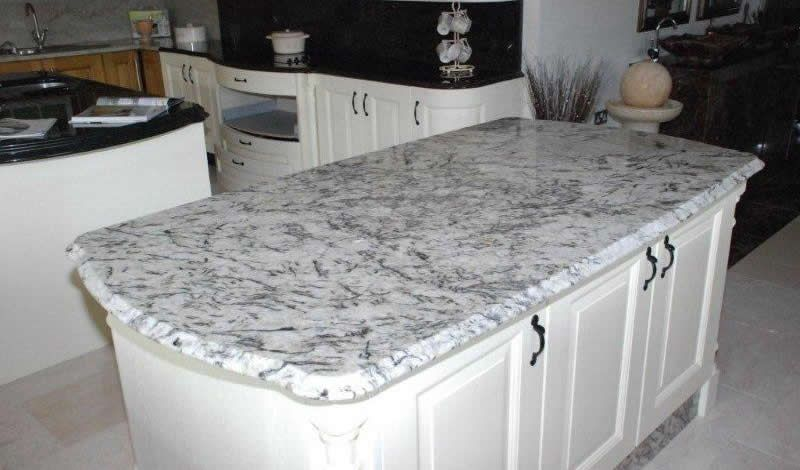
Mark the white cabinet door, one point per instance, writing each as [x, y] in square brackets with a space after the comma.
[173, 71]
[592, 395]
[340, 128]
[386, 113]
[203, 85]
[685, 316]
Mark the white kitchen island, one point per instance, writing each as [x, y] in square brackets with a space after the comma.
[519, 294]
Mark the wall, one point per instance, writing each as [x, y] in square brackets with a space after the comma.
[599, 28]
[202, 12]
[70, 21]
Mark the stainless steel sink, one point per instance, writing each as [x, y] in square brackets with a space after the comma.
[54, 49]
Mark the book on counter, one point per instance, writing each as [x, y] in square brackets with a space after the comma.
[11, 128]
[114, 112]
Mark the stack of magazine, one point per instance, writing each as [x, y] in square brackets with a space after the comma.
[115, 112]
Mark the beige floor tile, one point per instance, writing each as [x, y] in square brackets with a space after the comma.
[782, 248]
[694, 450]
[107, 450]
[79, 410]
[755, 362]
[53, 378]
[762, 305]
[765, 269]
[22, 438]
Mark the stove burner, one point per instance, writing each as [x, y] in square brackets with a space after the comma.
[291, 61]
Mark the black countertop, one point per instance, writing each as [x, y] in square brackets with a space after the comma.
[374, 69]
[64, 102]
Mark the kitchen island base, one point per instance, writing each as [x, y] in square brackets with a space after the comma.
[577, 383]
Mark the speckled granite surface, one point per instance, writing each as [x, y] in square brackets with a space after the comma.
[336, 281]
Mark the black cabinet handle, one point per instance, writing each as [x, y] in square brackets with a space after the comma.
[245, 143]
[539, 329]
[364, 105]
[190, 75]
[183, 72]
[671, 248]
[240, 80]
[233, 160]
[416, 106]
[353, 102]
[653, 261]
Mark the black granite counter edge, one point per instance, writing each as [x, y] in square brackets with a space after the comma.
[479, 80]
[106, 138]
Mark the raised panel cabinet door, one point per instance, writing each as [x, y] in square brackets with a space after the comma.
[684, 317]
[20, 66]
[470, 419]
[592, 394]
[122, 69]
[173, 72]
[431, 117]
[387, 115]
[87, 67]
[340, 127]
[203, 82]
[151, 73]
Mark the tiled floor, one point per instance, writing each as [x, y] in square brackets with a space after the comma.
[71, 416]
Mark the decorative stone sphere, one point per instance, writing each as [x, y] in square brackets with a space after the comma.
[646, 85]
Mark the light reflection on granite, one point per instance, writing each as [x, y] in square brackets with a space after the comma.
[334, 282]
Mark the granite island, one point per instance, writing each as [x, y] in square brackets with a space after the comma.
[519, 294]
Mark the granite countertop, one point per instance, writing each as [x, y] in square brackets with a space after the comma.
[62, 103]
[334, 282]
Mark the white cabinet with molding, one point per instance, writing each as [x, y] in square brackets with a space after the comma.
[192, 78]
[359, 116]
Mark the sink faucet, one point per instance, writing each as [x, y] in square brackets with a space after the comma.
[655, 51]
[39, 35]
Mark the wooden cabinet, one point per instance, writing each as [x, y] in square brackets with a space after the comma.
[151, 73]
[115, 68]
[87, 67]
[122, 69]
[193, 79]
[20, 66]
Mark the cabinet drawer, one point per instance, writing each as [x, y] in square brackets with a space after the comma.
[252, 165]
[251, 81]
[268, 150]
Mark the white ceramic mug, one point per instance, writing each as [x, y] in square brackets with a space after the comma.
[448, 50]
[466, 51]
[445, 20]
[461, 23]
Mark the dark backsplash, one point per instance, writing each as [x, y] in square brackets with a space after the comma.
[372, 33]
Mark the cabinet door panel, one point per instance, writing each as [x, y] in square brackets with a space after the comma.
[337, 119]
[680, 320]
[202, 82]
[593, 398]
[87, 67]
[122, 69]
[173, 69]
[20, 66]
[387, 115]
[470, 419]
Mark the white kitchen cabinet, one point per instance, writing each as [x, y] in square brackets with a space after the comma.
[438, 111]
[359, 116]
[193, 79]
[386, 115]
[684, 318]
[340, 129]
[597, 338]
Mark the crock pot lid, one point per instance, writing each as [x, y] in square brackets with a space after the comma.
[286, 34]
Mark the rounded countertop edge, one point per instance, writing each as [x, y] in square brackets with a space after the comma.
[362, 384]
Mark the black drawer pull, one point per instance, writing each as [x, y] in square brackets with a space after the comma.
[416, 106]
[353, 102]
[364, 105]
[233, 160]
[671, 248]
[653, 261]
[240, 80]
[245, 143]
[183, 72]
[190, 75]
[539, 329]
